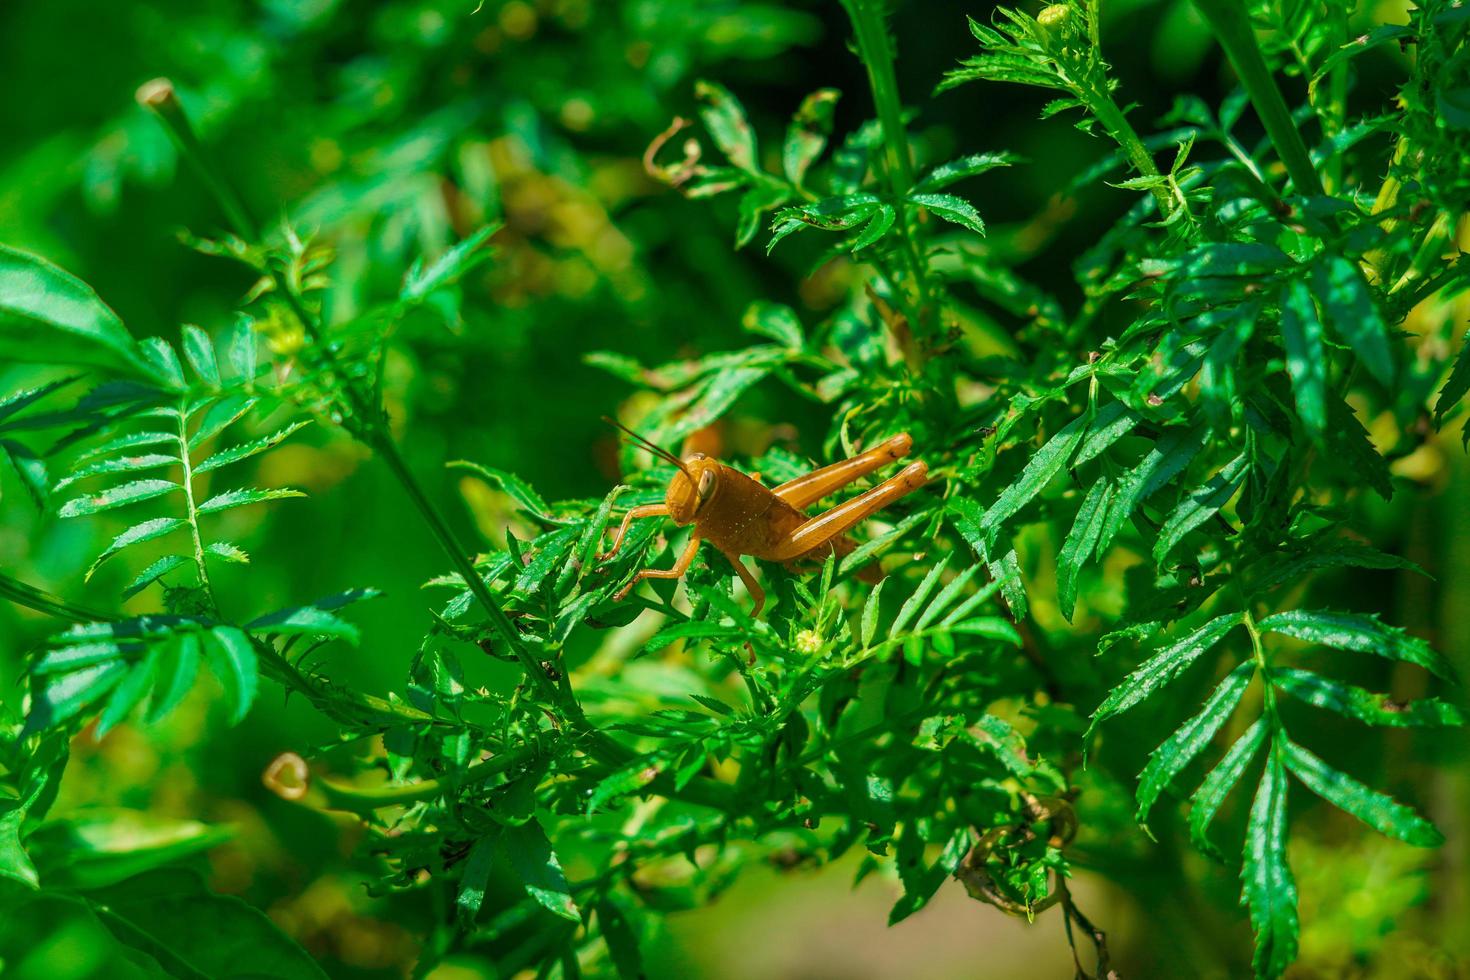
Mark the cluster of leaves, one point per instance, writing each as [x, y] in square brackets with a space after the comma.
[1198, 416]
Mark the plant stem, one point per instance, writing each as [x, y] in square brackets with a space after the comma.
[876, 53]
[27, 595]
[1233, 28]
[159, 97]
[190, 509]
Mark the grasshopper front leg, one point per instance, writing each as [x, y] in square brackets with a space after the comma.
[647, 510]
[680, 567]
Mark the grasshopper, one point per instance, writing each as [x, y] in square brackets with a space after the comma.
[741, 516]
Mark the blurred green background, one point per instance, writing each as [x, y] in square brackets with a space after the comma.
[392, 129]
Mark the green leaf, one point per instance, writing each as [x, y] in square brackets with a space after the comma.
[1269, 890]
[1169, 759]
[535, 863]
[724, 117]
[163, 361]
[622, 943]
[1078, 546]
[449, 267]
[240, 348]
[474, 877]
[247, 449]
[315, 619]
[243, 497]
[153, 573]
[225, 551]
[807, 135]
[693, 630]
[910, 609]
[1359, 633]
[1365, 706]
[1046, 463]
[776, 321]
[1306, 359]
[969, 166]
[871, 609]
[119, 464]
[1455, 386]
[519, 490]
[118, 496]
[1163, 667]
[876, 227]
[170, 915]
[104, 847]
[137, 534]
[52, 317]
[1382, 813]
[955, 210]
[1200, 505]
[1112, 422]
[63, 696]
[133, 440]
[1166, 460]
[232, 659]
[199, 351]
[220, 415]
[1348, 307]
[128, 694]
[1206, 801]
[178, 665]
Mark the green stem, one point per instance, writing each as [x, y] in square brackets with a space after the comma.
[876, 53]
[191, 509]
[1123, 133]
[1232, 26]
[158, 96]
[27, 595]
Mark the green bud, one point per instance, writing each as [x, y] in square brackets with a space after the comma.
[1056, 19]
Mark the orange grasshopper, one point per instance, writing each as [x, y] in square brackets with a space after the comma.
[741, 516]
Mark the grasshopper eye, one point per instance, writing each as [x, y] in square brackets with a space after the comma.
[706, 485]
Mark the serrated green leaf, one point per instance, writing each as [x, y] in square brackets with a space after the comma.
[519, 490]
[1169, 759]
[64, 696]
[1166, 460]
[240, 348]
[133, 440]
[1112, 422]
[911, 606]
[968, 166]
[1359, 633]
[1080, 542]
[1269, 890]
[243, 497]
[1382, 813]
[474, 878]
[448, 268]
[1046, 463]
[233, 661]
[1206, 801]
[1200, 505]
[693, 630]
[535, 863]
[225, 551]
[247, 449]
[1348, 307]
[876, 227]
[153, 573]
[955, 210]
[128, 694]
[220, 415]
[724, 117]
[137, 534]
[178, 665]
[199, 351]
[119, 496]
[1306, 359]
[807, 136]
[118, 464]
[1365, 706]
[1163, 667]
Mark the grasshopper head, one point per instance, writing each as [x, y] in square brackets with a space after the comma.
[692, 487]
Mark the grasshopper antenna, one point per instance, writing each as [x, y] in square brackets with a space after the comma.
[652, 447]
